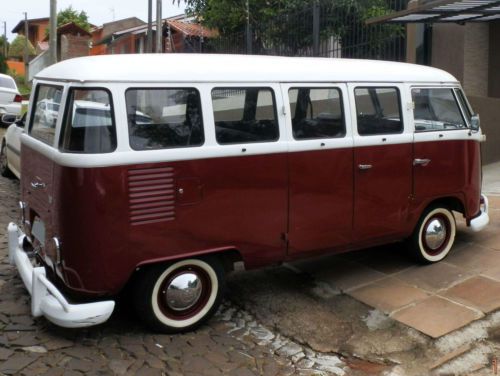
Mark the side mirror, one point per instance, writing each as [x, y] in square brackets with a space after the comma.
[8, 119]
[474, 122]
[21, 122]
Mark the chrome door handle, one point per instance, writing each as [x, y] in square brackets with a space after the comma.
[365, 166]
[37, 185]
[421, 162]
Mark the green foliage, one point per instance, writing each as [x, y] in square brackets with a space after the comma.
[16, 48]
[3, 64]
[23, 87]
[3, 42]
[72, 15]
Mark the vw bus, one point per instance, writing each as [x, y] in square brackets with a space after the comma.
[161, 173]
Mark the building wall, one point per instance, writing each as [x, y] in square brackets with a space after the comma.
[489, 112]
[74, 46]
[494, 60]
[448, 48]
[476, 58]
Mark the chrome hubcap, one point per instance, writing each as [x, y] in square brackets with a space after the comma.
[435, 233]
[184, 291]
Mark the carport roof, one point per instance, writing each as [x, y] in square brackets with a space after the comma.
[445, 11]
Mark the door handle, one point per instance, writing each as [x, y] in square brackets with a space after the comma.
[37, 185]
[365, 166]
[421, 162]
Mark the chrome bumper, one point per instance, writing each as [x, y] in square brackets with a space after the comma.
[482, 220]
[46, 299]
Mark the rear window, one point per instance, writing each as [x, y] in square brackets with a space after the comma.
[89, 125]
[46, 112]
[8, 83]
[161, 118]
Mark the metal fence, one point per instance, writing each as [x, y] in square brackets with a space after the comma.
[328, 28]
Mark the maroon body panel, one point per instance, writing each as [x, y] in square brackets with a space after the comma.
[321, 200]
[111, 220]
[382, 193]
[116, 218]
[454, 170]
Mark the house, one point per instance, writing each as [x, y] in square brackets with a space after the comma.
[461, 37]
[36, 29]
[179, 34]
[103, 35]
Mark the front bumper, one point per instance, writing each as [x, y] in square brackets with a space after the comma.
[482, 220]
[46, 299]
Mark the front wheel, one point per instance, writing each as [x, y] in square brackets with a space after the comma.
[434, 235]
[4, 163]
[180, 296]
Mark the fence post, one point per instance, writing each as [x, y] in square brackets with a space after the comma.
[248, 37]
[316, 15]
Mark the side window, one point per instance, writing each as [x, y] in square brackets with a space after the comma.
[89, 124]
[316, 113]
[378, 110]
[46, 112]
[436, 110]
[244, 115]
[164, 118]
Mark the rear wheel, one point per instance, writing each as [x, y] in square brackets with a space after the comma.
[434, 235]
[4, 164]
[180, 296]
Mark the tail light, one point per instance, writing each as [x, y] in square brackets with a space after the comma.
[18, 98]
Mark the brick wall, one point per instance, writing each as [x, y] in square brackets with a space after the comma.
[476, 58]
[74, 46]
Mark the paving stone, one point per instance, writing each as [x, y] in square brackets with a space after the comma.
[480, 292]
[388, 259]
[451, 355]
[433, 277]
[436, 316]
[388, 294]
[119, 367]
[474, 258]
[16, 363]
[5, 353]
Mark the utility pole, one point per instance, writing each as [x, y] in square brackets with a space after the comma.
[26, 40]
[159, 28]
[149, 40]
[53, 32]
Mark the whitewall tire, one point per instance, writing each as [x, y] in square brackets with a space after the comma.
[434, 235]
[180, 296]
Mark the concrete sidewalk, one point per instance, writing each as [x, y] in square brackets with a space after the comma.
[491, 179]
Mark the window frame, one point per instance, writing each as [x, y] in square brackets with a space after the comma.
[68, 110]
[34, 108]
[241, 87]
[452, 89]
[400, 107]
[200, 103]
[342, 109]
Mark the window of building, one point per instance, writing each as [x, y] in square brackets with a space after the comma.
[244, 115]
[436, 110]
[46, 112]
[378, 110]
[89, 125]
[316, 113]
[164, 118]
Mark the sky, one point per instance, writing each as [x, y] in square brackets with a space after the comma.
[99, 11]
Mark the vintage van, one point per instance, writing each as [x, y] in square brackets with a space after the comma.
[160, 173]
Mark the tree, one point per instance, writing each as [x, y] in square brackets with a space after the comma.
[3, 42]
[72, 15]
[3, 64]
[16, 48]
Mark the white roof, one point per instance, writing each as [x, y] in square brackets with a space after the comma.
[239, 68]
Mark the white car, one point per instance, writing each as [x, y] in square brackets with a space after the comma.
[10, 150]
[10, 100]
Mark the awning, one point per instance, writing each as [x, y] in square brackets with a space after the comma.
[445, 11]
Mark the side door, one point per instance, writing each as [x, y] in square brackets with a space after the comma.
[446, 153]
[319, 165]
[382, 160]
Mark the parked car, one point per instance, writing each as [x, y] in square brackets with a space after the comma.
[10, 151]
[10, 100]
